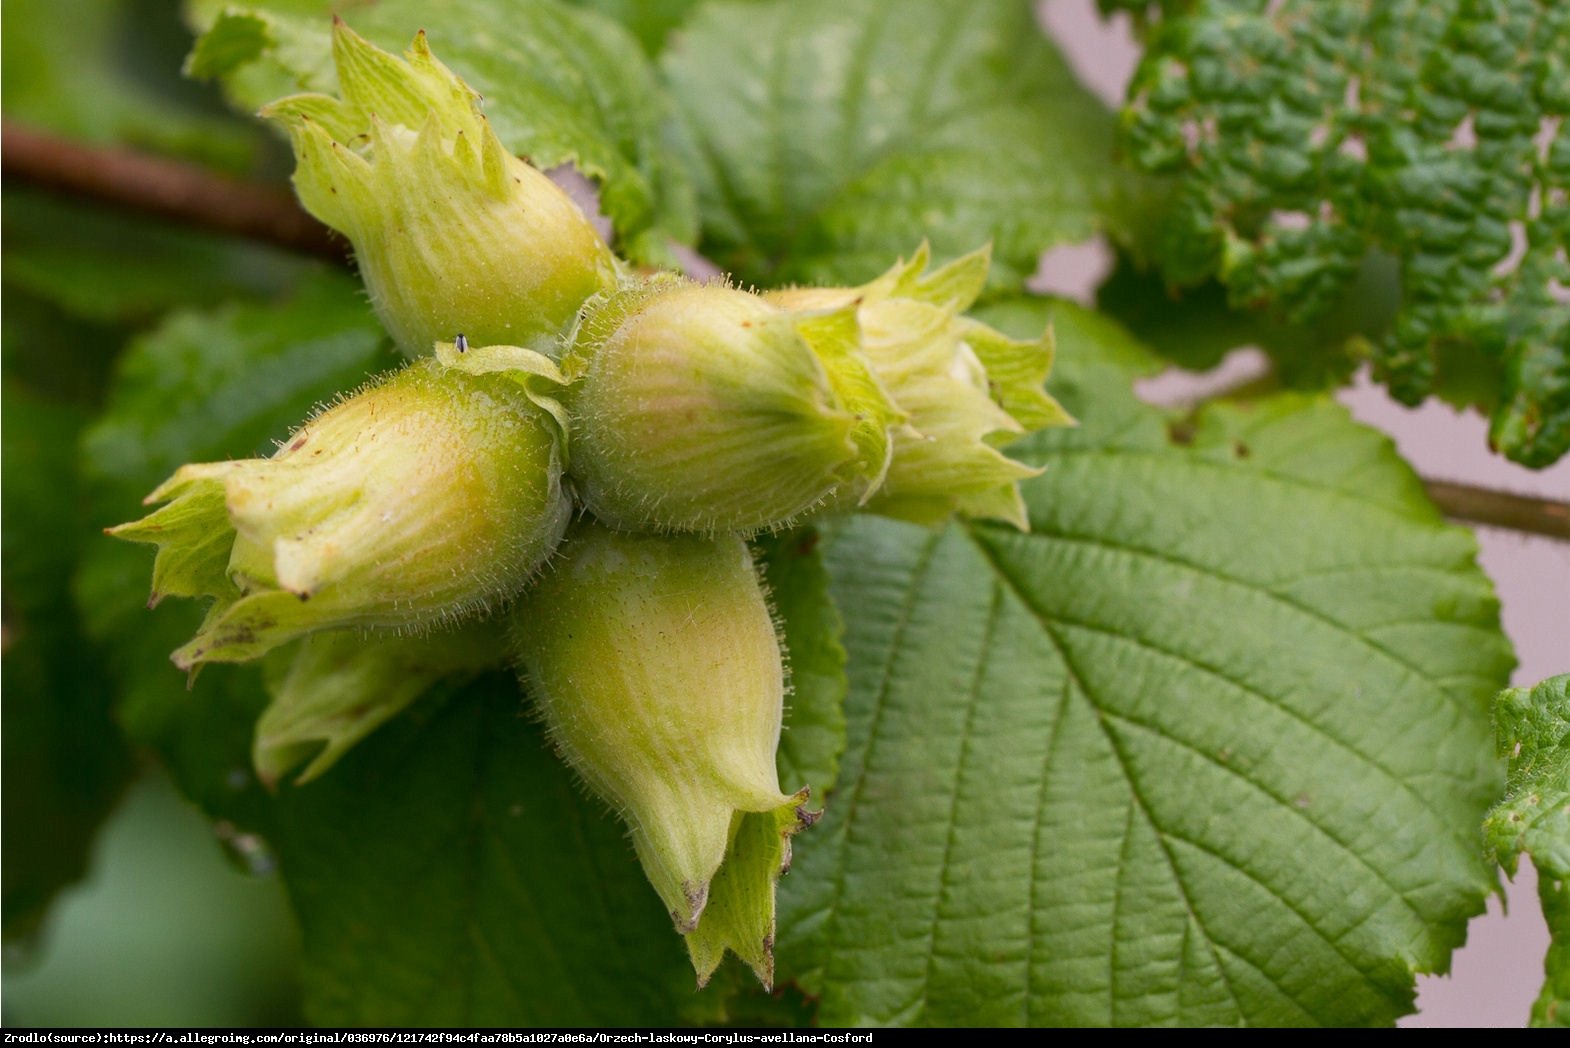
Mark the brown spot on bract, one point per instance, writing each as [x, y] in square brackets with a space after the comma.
[1181, 431]
[1241, 450]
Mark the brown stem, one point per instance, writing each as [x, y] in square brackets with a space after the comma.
[1501, 509]
[167, 188]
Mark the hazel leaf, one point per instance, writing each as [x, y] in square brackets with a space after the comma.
[855, 128]
[1066, 746]
[1311, 135]
[1533, 727]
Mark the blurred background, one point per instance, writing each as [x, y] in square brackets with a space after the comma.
[179, 922]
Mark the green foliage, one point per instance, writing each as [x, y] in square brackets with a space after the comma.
[420, 891]
[1309, 134]
[810, 625]
[204, 386]
[651, 21]
[1202, 748]
[100, 71]
[564, 86]
[852, 129]
[197, 938]
[64, 761]
[824, 155]
[1209, 744]
[447, 871]
[110, 268]
[76, 278]
[1195, 328]
[1533, 727]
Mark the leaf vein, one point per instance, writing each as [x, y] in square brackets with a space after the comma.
[973, 700]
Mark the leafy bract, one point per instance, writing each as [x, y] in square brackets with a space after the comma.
[1206, 746]
[448, 871]
[204, 386]
[828, 137]
[1533, 726]
[1312, 132]
[417, 863]
[563, 86]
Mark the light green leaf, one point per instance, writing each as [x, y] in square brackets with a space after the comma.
[1552, 1007]
[1309, 133]
[204, 386]
[829, 137]
[1533, 726]
[562, 86]
[1206, 746]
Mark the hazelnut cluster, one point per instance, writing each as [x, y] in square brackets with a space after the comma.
[425, 524]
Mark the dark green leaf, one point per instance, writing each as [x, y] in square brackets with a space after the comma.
[1552, 1007]
[523, 902]
[449, 871]
[1312, 132]
[1205, 747]
[562, 86]
[1194, 327]
[1533, 727]
[829, 137]
[64, 761]
[111, 268]
[811, 627]
[205, 386]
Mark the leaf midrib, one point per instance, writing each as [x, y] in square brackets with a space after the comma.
[1162, 833]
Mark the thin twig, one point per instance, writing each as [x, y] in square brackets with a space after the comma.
[1501, 509]
[182, 192]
